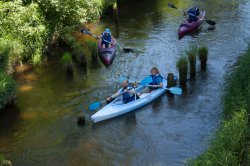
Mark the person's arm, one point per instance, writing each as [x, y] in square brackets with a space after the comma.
[160, 81]
[115, 95]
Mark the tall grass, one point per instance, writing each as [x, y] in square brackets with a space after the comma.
[182, 65]
[92, 46]
[203, 55]
[231, 145]
[192, 54]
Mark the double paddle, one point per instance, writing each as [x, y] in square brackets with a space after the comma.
[87, 32]
[144, 82]
[210, 22]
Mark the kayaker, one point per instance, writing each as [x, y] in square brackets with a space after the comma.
[106, 39]
[193, 14]
[155, 84]
[127, 91]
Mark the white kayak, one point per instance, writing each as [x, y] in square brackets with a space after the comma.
[117, 107]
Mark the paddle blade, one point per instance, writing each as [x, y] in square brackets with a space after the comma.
[172, 6]
[94, 106]
[175, 90]
[210, 22]
[85, 31]
[146, 80]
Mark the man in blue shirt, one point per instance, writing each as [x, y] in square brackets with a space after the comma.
[128, 93]
[106, 39]
[193, 14]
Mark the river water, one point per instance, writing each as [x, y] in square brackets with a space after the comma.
[42, 130]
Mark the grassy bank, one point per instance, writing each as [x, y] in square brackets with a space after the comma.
[231, 145]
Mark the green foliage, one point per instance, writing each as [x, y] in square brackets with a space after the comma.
[66, 58]
[72, 13]
[226, 147]
[203, 53]
[192, 53]
[92, 45]
[231, 143]
[182, 63]
[1, 158]
[23, 28]
[238, 89]
[7, 89]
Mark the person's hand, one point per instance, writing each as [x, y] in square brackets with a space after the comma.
[109, 98]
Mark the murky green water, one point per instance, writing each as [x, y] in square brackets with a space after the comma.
[166, 132]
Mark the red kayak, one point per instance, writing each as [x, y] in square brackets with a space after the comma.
[187, 27]
[107, 55]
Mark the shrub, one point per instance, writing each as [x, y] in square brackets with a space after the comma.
[7, 89]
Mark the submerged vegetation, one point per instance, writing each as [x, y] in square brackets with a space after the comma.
[231, 145]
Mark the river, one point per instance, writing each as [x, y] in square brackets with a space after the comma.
[42, 129]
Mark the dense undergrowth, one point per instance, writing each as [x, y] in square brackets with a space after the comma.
[28, 28]
[231, 145]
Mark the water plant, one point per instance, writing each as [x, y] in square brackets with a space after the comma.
[92, 46]
[67, 62]
[192, 54]
[203, 54]
[182, 65]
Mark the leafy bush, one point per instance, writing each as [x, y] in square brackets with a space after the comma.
[23, 28]
[7, 89]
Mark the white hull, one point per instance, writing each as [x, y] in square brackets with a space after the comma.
[117, 108]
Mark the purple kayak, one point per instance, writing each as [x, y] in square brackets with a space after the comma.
[187, 27]
[107, 55]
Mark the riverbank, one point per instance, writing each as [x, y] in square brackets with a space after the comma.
[231, 145]
[30, 30]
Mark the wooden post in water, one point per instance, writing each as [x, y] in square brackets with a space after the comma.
[171, 83]
[81, 119]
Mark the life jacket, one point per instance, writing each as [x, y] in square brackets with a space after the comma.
[193, 13]
[106, 38]
[154, 82]
[127, 97]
